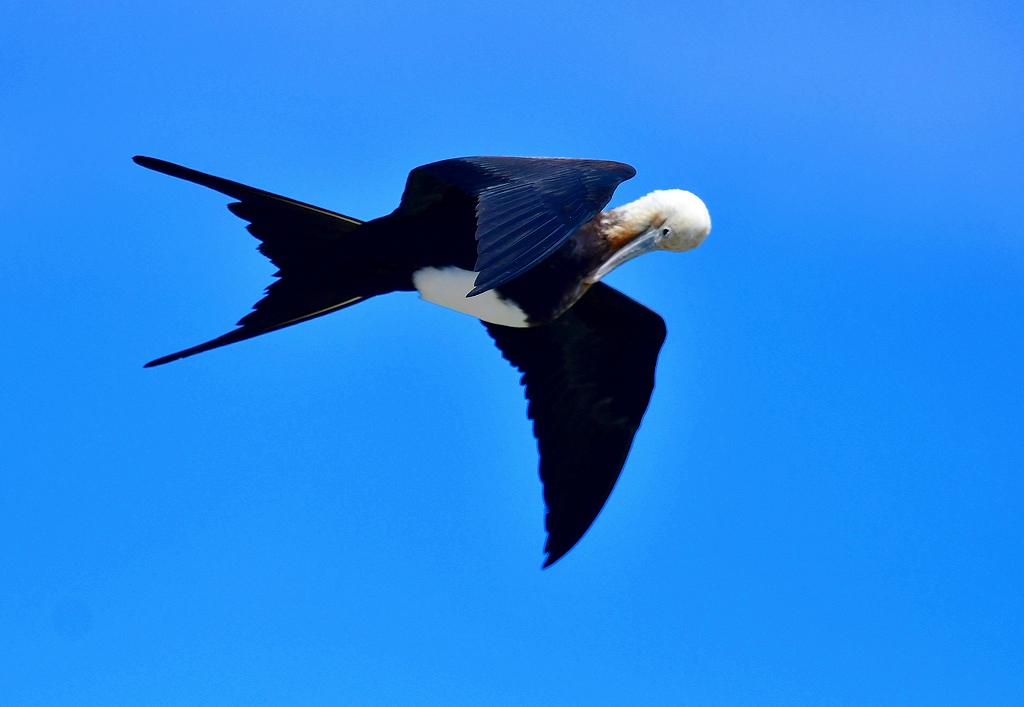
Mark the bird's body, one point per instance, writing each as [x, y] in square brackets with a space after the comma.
[520, 244]
[536, 297]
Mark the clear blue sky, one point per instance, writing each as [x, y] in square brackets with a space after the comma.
[823, 506]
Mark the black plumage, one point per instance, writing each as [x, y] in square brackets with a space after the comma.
[527, 228]
[299, 239]
[527, 206]
[589, 376]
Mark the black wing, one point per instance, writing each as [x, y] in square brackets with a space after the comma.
[526, 206]
[589, 376]
[298, 238]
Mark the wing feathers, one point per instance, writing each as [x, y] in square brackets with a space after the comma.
[527, 207]
[589, 377]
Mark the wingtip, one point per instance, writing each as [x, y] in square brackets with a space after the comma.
[481, 285]
[551, 559]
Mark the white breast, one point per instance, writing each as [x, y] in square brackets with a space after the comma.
[449, 286]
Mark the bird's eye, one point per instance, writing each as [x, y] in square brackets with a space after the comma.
[666, 231]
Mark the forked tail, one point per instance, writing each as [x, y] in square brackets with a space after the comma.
[317, 272]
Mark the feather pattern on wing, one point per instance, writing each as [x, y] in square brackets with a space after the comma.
[589, 376]
[526, 206]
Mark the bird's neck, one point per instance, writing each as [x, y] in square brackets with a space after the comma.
[625, 223]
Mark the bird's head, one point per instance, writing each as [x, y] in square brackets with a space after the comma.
[672, 219]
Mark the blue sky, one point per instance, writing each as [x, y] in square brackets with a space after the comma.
[823, 505]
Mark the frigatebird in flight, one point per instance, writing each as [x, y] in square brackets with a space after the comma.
[521, 244]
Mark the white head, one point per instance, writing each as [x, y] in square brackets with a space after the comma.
[680, 216]
[672, 219]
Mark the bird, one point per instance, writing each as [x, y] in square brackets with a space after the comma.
[520, 243]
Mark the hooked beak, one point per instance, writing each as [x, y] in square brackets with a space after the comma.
[644, 243]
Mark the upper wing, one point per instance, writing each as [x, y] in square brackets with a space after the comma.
[589, 376]
[526, 206]
[298, 238]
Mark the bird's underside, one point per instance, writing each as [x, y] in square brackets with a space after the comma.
[586, 351]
